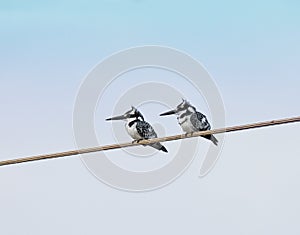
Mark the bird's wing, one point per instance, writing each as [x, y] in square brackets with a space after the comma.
[145, 130]
[200, 121]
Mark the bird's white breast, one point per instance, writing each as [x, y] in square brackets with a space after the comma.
[132, 131]
[186, 124]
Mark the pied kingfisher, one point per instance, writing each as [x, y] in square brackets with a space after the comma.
[190, 120]
[138, 128]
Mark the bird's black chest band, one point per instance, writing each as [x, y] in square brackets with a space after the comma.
[132, 122]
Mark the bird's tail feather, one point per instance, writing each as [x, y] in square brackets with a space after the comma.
[163, 148]
[212, 138]
[159, 146]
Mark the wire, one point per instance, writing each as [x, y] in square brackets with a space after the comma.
[150, 141]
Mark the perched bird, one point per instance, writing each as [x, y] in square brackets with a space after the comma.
[138, 128]
[190, 120]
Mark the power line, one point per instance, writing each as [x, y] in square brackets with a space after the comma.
[145, 142]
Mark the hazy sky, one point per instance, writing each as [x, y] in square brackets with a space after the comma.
[251, 49]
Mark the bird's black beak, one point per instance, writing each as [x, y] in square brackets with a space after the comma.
[168, 113]
[122, 117]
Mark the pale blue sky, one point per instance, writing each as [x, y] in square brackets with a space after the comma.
[251, 49]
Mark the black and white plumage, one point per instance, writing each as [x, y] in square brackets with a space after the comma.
[190, 120]
[138, 128]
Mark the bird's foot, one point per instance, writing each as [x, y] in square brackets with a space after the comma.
[188, 134]
[136, 141]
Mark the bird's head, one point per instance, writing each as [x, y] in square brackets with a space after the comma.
[183, 107]
[131, 114]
